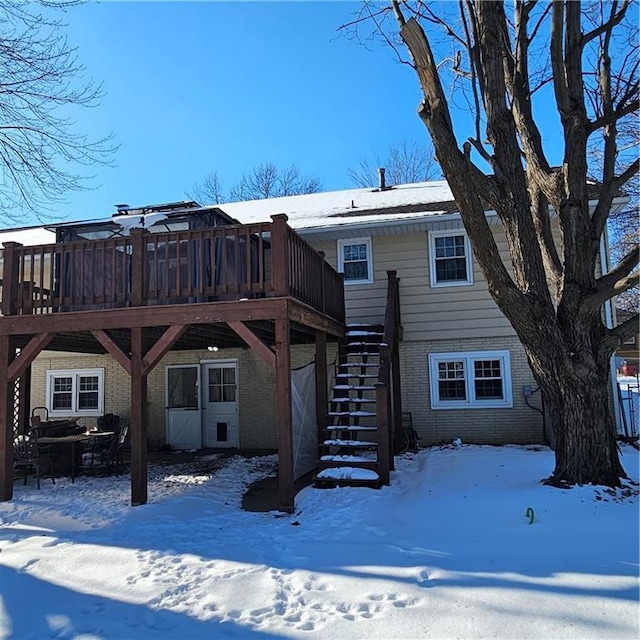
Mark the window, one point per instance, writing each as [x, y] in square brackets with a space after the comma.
[222, 385]
[354, 260]
[470, 380]
[450, 259]
[75, 392]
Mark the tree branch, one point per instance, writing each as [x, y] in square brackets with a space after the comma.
[617, 336]
[607, 26]
[615, 115]
[617, 281]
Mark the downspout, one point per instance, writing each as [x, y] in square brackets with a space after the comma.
[605, 267]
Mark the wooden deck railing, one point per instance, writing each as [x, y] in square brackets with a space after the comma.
[388, 407]
[203, 265]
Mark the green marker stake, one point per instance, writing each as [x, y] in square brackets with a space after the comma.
[529, 514]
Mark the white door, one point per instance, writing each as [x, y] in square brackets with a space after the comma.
[220, 404]
[184, 423]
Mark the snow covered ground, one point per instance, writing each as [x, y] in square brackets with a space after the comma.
[447, 551]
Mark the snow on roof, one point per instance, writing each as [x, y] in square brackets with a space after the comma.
[352, 206]
[28, 237]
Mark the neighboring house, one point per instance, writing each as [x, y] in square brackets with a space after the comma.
[629, 352]
[460, 371]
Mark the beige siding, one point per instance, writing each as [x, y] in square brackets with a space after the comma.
[518, 424]
[427, 313]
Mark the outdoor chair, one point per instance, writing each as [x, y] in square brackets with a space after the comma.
[28, 454]
[106, 452]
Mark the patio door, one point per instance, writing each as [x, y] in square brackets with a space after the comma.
[184, 422]
[220, 404]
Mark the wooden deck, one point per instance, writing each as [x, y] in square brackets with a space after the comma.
[137, 297]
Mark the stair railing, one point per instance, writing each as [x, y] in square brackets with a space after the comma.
[388, 407]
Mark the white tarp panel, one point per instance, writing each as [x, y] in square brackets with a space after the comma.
[305, 425]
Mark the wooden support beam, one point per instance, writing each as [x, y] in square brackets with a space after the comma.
[280, 254]
[113, 349]
[28, 354]
[188, 314]
[284, 418]
[384, 448]
[7, 354]
[322, 398]
[138, 420]
[165, 342]
[24, 402]
[10, 278]
[306, 315]
[255, 343]
[396, 403]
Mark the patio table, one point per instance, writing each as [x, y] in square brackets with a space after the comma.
[73, 441]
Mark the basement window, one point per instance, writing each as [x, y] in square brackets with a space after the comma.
[75, 392]
[479, 379]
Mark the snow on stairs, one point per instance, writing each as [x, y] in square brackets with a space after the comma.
[349, 455]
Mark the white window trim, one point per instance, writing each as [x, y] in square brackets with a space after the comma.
[350, 241]
[432, 259]
[75, 374]
[471, 402]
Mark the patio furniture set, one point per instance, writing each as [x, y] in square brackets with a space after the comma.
[62, 447]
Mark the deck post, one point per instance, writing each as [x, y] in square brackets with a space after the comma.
[286, 490]
[322, 399]
[7, 353]
[138, 267]
[138, 420]
[10, 278]
[323, 285]
[382, 409]
[24, 402]
[280, 254]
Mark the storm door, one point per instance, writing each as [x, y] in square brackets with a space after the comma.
[184, 422]
[220, 404]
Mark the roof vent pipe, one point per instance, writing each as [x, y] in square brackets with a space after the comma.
[121, 208]
[381, 181]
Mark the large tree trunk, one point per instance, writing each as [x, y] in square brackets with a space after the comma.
[573, 373]
[586, 448]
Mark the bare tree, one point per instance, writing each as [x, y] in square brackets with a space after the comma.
[209, 191]
[405, 163]
[40, 84]
[262, 181]
[582, 63]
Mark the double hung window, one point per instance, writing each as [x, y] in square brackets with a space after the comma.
[75, 392]
[355, 260]
[450, 259]
[470, 380]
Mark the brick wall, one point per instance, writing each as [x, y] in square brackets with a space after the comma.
[518, 424]
[256, 388]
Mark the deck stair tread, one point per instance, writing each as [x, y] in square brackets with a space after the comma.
[354, 387]
[346, 458]
[355, 414]
[353, 400]
[360, 332]
[356, 375]
[356, 444]
[363, 353]
[349, 365]
[353, 427]
[348, 472]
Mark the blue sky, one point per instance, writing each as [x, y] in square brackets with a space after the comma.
[193, 87]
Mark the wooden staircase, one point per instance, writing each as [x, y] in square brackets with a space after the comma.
[350, 455]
